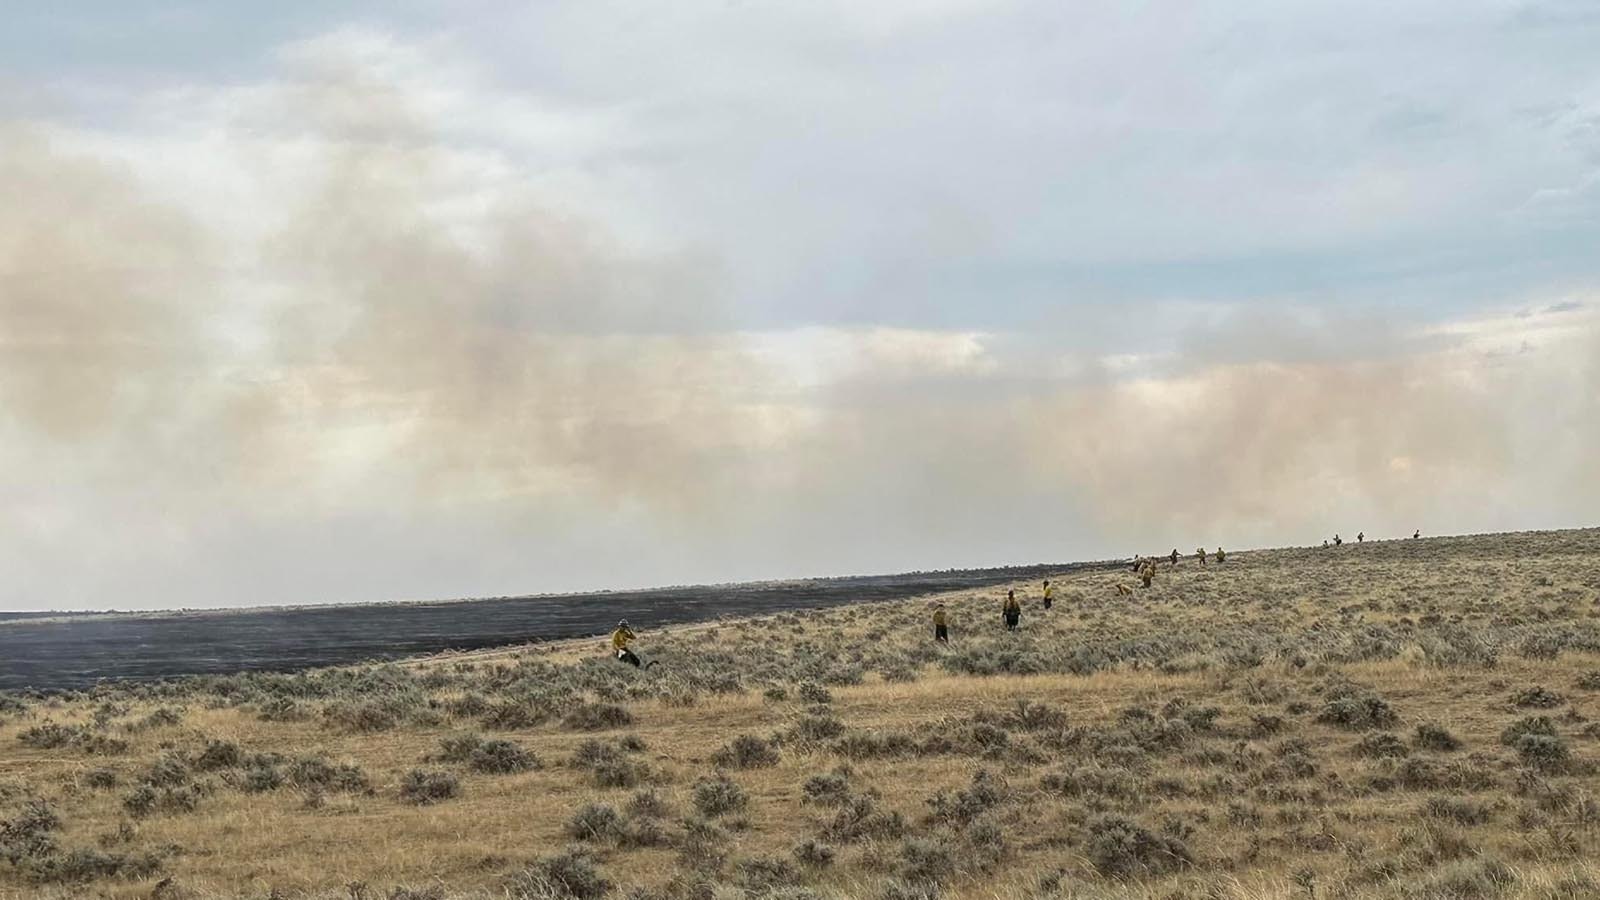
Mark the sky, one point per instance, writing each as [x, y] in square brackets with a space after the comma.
[337, 302]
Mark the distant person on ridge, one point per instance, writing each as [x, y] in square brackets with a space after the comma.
[1221, 556]
[1200, 554]
[1147, 572]
[940, 632]
[1174, 557]
[1013, 611]
[1361, 537]
[1416, 534]
[1338, 541]
[1049, 595]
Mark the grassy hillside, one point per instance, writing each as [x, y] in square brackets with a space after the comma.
[1398, 719]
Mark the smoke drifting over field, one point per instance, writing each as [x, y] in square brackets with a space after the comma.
[403, 376]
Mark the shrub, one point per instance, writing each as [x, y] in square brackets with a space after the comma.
[596, 717]
[1462, 812]
[1541, 725]
[648, 804]
[217, 755]
[147, 799]
[717, 795]
[1037, 717]
[704, 847]
[367, 715]
[747, 752]
[962, 807]
[609, 764]
[595, 822]
[512, 715]
[858, 818]
[424, 786]
[316, 773]
[811, 692]
[762, 874]
[169, 770]
[816, 727]
[83, 865]
[1119, 848]
[1543, 751]
[926, 861]
[1382, 745]
[458, 748]
[895, 889]
[1358, 713]
[1475, 879]
[571, 875]
[100, 779]
[281, 709]
[50, 736]
[1093, 780]
[501, 757]
[1536, 697]
[259, 779]
[814, 853]
[30, 834]
[827, 789]
[1265, 725]
[1429, 736]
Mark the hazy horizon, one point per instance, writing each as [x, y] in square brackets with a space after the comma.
[418, 301]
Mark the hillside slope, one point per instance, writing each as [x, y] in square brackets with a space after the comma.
[1405, 719]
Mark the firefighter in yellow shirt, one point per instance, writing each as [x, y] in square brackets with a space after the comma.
[1049, 594]
[940, 632]
[620, 639]
[1012, 611]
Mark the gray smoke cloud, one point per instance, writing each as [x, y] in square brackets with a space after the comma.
[397, 387]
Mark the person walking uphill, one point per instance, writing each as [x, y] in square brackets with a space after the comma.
[1049, 594]
[940, 632]
[1013, 611]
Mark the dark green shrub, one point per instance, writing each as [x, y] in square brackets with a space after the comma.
[424, 786]
[746, 752]
[1537, 697]
[1429, 736]
[316, 773]
[814, 853]
[595, 822]
[718, 795]
[1382, 745]
[1120, 848]
[596, 717]
[217, 755]
[570, 875]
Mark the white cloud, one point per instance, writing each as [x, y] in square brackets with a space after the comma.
[625, 295]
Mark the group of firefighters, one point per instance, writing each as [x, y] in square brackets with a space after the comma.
[1010, 613]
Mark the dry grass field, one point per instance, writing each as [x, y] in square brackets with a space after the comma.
[1407, 719]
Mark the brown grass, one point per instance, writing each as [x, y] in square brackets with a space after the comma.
[1344, 831]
